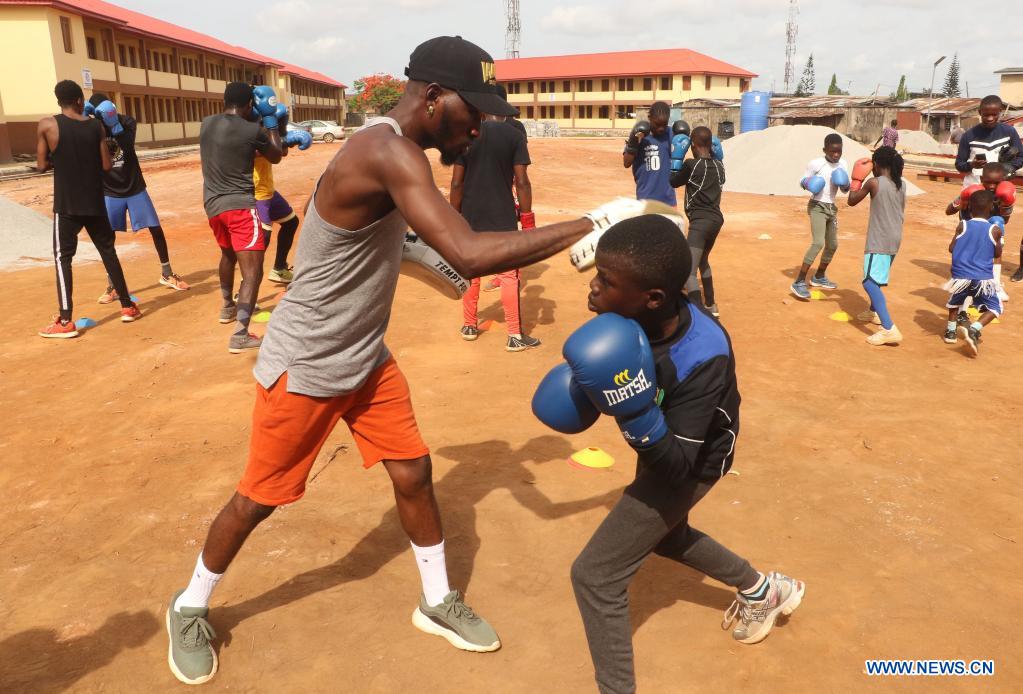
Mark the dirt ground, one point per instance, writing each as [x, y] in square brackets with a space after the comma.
[886, 478]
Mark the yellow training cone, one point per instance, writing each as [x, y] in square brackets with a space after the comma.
[816, 295]
[592, 458]
[840, 316]
[262, 317]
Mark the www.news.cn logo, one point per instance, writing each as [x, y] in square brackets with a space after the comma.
[930, 668]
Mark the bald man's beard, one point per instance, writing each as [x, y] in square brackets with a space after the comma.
[449, 156]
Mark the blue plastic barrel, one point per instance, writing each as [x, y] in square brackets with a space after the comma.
[753, 111]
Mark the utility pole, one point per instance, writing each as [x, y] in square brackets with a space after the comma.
[791, 30]
[930, 95]
[512, 29]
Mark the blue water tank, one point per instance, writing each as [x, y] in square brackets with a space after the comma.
[753, 111]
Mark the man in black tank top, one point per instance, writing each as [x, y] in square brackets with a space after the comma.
[75, 146]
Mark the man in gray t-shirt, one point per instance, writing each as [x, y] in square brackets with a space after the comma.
[228, 143]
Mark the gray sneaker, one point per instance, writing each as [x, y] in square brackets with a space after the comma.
[456, 622]
[228, 314]
[800, 290]
[519, 343]
[823, 282]
[757, 618]
[246, 341]
[190, 655]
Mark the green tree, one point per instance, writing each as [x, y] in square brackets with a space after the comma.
[377, 93]
[808, 82]
[951, 88]
[834, 89]
[901, 93]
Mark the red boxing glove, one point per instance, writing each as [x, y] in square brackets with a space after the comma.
[528, 220]
[861, 169]
[963, 201]
[1005, 194]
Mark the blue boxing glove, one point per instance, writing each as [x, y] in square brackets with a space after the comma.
[613, 365]
[561, 404]
[89, 110]
[265, 103]
[107, 112]
[840, 178]
[680, 143]
[298, 138]
[716, 150]
[814, 184]
[1000, 221]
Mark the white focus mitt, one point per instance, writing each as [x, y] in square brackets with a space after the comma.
[421, 262]
[583, 252]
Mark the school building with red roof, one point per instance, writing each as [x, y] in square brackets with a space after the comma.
[166, 76]
[605, 90]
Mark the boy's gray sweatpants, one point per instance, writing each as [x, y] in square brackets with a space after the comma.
[650, 517]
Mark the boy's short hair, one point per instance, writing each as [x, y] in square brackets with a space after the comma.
[992, 100]
[894, 122]
[238, 94]
[832, 139]
[701, 136]
[981, 201]
[68, 92]
[98, 98]
[660, 110]
[993, 167]
[652, 249]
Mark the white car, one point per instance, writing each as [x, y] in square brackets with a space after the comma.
[325, 130]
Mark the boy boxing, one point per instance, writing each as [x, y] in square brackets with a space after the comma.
[824, 177]
[975, 248]
[665, 371]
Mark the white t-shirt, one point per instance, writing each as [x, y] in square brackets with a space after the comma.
[824, 168]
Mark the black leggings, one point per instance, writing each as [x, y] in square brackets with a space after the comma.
[702, 235]
[65, 244]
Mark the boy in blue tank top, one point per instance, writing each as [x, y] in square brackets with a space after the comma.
[976, 247]
[648, 152]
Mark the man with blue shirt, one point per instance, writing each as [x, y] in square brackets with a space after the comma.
[648, 152]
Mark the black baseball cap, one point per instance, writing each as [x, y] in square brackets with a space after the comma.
[462, 66]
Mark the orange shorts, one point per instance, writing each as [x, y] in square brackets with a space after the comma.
[289, 429]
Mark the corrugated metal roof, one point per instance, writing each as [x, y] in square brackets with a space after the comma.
[1009, 71]
[670, 61]
[953, 105]
[805, 113]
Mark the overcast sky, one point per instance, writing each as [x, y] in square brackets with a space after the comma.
[865, 43]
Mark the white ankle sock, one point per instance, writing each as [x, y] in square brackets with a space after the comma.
[433, 571]
[200, 588]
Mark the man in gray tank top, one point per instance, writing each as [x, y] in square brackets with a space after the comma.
[323, 357]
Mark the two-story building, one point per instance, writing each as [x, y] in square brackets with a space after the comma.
[605, 90]
[167, 77]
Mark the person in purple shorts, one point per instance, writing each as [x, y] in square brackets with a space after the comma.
[272, 208]
[124, 189]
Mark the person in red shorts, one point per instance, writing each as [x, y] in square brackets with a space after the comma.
[228, 143]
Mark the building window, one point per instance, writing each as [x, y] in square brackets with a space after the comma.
[687, 83]
[728, 82]
[648, 83]
[621, 84]
[605, 85]
[132, 106]
[605, 112]
[566, 111]
[566, 86]
[585, 112]
[707, 82]
[543, 87]
[665, 83]
[90, 48]
[133, 58]
[743, 85]
[529, 112]
[630, 84]
[529, 87]
[65, 30]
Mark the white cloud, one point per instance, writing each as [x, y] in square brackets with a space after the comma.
[581, 20]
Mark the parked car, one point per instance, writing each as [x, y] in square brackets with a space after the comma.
[325, 130]
[299, 126]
